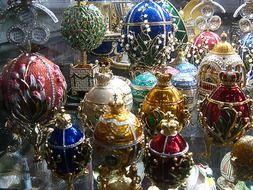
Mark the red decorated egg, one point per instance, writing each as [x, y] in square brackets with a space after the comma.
[168, 162]
[32, 87]
[225, 113]
[202, 44]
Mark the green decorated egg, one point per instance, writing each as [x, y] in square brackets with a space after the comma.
[181, 33]
[83, 27]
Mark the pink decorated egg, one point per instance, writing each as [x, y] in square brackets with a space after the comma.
[32, 87]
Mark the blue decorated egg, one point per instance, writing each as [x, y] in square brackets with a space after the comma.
[141, 85]
[110, 46]
[185, 67]
[67, 151]
[246, 49]
[187, 84]
[146, 32]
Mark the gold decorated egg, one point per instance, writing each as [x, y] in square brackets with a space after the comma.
[118, 137]
[241, 158]
[161, 99]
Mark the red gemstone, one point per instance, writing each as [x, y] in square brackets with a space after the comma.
[168, 144]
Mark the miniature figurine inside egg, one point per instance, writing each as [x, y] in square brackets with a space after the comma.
[222, 55]
[84, 27]
[118, 143]
[167, 160]
[207, 23]
[67, 150]
[147, 35]
[161, 99]
[225, 114]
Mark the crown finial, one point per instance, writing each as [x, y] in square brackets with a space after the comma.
[169, 125]
[230, 77]
[62, 119]
[104, 76]
[163, 79]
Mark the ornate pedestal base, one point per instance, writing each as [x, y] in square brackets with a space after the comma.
[82, 77]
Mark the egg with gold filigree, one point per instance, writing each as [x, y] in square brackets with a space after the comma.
[99, 96]
[141, 85]
[227, 180]
[241, 158]
[162, 98]
[180, 33]
[67, 150]
[147, 31]
[187, 84]
[167, 160]
[246, 50]
[225, 114]
[201, 45]
[32, 87]
[223, 54]
[118, 137]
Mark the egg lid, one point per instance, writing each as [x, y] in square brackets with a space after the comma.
[223, 47]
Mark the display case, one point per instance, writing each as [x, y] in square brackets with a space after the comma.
[18, 170]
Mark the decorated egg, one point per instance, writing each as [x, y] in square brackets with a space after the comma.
[110, 47]
[147, 30]
[246, 49]
[184, 66]
[167, 160]
[83, 26]
[225, 114]
[67, 150]
[201, 45]
[141, 85]
[99, 96]
[118, 137]
[187, 84]
[161, 99]
[241, 155]
[32, 87]
[217, 60]
[227, 179]
[181, 33]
